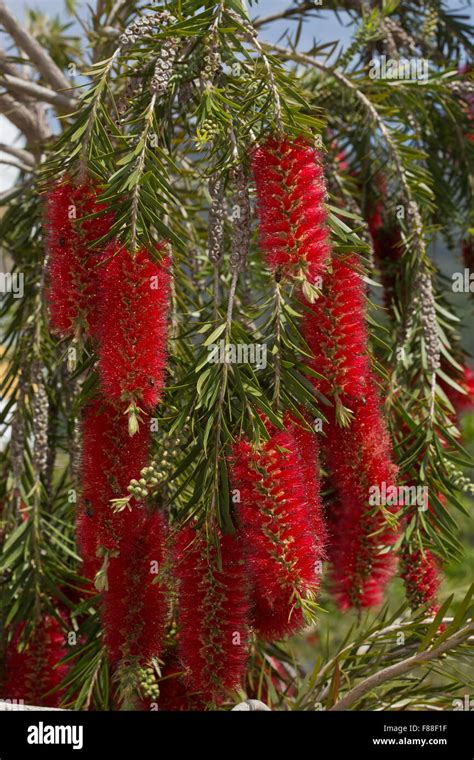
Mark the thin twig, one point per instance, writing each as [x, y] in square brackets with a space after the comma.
[288, 13]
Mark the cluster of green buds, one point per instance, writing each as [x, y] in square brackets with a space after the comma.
[171, 634]
[156, 472]
[148, 683]
[138, 488]
[430, 25]
[458, 479]
[207, 130]
[151, 476]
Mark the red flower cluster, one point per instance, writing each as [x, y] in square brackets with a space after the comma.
[134, 305]
[30, 674]
[110, 459]
[72, 261]
[335, 331]
[359, 454]
[308, 450]
[420, 573]
[213, 612]
[134, 606]
[119, 298]
[281, 520]
[359, 531]
[291, 192]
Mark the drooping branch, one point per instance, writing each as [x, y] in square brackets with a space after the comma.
[400, 668]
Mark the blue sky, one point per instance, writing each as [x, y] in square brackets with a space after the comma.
[325, 29]
[322, 30]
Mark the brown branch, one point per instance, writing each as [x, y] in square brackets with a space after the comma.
[15, 164]
[23, 155]
[7, 66]
[26, 120]
[38, 92]
[400, 668]
[35, 52]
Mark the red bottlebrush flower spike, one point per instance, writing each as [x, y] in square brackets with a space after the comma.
[308, 450]
[358, 454]
[420, 573]
[213, 612]
[359, 530]
[134, 607]
[335, 331]
[291, 192]
[370, 433]
[173, 696]
[110, 460]
[33, 672]
[135, 297]
[281, 520]
[72, 261]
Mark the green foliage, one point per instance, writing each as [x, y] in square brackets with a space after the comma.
[151, 153]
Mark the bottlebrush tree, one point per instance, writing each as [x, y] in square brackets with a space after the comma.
[233, 381]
